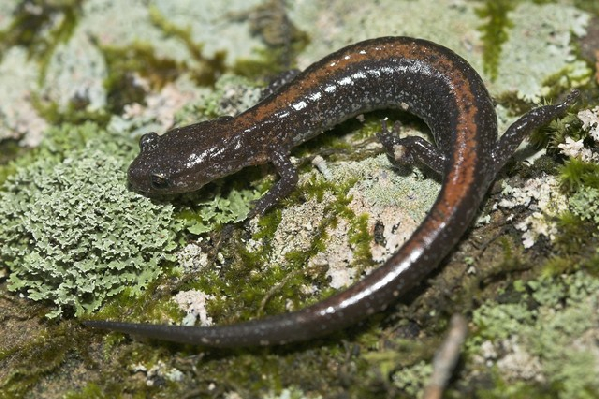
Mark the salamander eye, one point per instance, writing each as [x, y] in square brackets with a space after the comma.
[159, 181]
[148, 140]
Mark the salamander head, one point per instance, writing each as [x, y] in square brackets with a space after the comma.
[185, 159]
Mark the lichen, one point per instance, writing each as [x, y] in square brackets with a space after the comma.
[541, 196]
[231, 95]
[590, 121]
[411, 379]
[205, 216]
[291, 392]
[558, 343]
[585, 204]
[73, 234]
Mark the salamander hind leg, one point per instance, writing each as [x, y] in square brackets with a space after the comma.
[517, 132]
[410, 150]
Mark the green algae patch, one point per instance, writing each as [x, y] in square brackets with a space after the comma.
[43, 354]
[74, 235]
[41, 27]
[205, 70]
[495, 32]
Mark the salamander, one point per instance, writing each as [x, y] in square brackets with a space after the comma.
[419, 76]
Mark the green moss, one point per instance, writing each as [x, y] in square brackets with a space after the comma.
[575, 236]
[316, 188]
[170, 29]
[74, 234]
[91, 391]
[556, 131]
[243, 287]
[268, 225]
[267, 64]
[123, 62]
[39, 356]
[331, 142]
[569, 76]
[272, 60]
[153, 303]
[556, 266]
[247, 285]
[575, 174]
[494, 32]
[71, 114]
[360, 239]
[513, 390]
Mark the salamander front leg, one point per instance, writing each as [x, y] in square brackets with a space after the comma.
[410, 150]
[274, 86]
[282, 188]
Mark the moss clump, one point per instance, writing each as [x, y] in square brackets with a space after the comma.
[73, 234]
[576, 174]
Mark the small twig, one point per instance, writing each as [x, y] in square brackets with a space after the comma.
[446, 357]
[277, 287]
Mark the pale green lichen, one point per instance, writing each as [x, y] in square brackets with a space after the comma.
[73, 234]
[206, 215]
[556, 336]
[585, 204]
[411, 379]
[231, 95]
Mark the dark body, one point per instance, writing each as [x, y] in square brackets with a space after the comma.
[424, 78]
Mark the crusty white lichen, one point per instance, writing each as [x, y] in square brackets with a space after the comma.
[576, 149]
[541, 196]
[590, 121]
